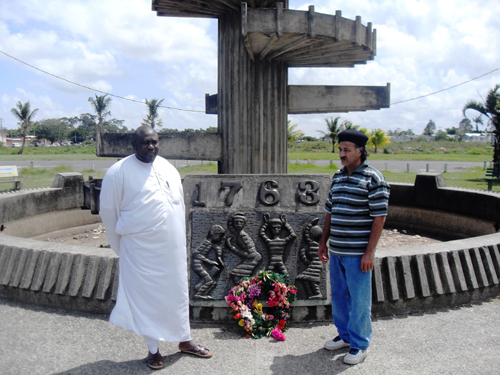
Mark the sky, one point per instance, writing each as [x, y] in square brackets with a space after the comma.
[123, 48]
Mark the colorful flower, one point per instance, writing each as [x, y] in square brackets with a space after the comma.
[278, 335]
[252, 321]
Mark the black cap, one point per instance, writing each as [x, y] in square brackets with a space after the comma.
[354, 136]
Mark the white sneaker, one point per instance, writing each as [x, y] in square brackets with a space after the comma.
[336, 344]
[355, 356]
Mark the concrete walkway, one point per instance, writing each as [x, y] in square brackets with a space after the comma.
[36, 340]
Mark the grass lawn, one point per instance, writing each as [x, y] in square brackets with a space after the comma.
[34, 178]
[472, 179]
[438, 151]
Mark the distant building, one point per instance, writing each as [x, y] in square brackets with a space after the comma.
[477, 137]
[18, 141]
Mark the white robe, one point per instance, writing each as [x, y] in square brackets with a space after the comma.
[142, 209]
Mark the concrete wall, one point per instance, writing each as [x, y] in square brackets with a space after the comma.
[405, 279]
[175, 145]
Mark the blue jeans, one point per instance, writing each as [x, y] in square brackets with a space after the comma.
[351, 300]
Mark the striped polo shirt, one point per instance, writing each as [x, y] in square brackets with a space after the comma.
[353, 202]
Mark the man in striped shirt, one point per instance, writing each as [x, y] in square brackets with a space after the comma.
[356, 210]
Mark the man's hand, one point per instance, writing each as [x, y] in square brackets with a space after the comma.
[323, 253]
[323, 249]
[367, 261]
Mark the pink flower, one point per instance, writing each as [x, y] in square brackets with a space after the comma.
[293, 291]
[278, 335]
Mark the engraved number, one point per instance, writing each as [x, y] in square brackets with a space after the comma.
[308, 192]
[235, 186]
[268, 193]
[201, 196]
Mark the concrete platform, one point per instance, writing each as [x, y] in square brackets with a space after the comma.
[37, 340]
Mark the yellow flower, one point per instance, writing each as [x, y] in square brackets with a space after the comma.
[241, 322]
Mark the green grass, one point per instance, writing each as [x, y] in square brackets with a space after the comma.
[34, 178]
[472, 179]
[440, 150]
[84, 152]
[429, 151]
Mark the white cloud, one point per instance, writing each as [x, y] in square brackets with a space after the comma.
[122, 47]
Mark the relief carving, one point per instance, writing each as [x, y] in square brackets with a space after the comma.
[311, 276]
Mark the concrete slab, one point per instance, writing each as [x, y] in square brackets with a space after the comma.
[38, 340]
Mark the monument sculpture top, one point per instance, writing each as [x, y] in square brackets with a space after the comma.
[272, 32]
[258, 41]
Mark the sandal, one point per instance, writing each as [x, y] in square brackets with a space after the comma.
[199, 351]
[155, 361]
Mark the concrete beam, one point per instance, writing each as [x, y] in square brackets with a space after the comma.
[325, 99]
[175, 145]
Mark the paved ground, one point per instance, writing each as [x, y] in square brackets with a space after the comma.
[37, 340]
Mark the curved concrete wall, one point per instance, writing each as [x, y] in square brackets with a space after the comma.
[405, 279]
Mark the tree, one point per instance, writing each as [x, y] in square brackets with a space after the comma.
[24, 115]
[114, 126]
[334, 128]
[478, 120]
[490, 109]
[464, 126]
[292, 134]
[441, 135]
[430, 128]
[378, 139]
[308, 138]
[348, 125]
[52, 129]
[100, 105]
[153, 118]
[452, 131]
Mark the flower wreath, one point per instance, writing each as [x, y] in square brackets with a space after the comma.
[251, 320]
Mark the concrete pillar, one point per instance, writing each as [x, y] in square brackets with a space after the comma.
[252, 106]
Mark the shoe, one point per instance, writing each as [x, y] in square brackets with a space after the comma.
[336, 344]
[155, 361]
[355, 356]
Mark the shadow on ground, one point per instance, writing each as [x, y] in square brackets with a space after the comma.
[122, 368]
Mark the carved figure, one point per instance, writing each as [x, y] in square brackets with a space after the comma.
[310, 277]
[276, 245]
[241, 244]
[207, 269]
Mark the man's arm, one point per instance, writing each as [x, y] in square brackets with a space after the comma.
[323, 249]
[109, 209]
[369, 256]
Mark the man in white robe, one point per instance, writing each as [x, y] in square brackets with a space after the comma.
[142, 209]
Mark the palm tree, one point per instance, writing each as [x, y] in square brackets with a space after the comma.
[490, 108]
[478, 120]
[100, 105]
[334, 129]
[378, 139]
[430, 128]
[152, 118]
[293, 134]
[346, 125]
[24, 115]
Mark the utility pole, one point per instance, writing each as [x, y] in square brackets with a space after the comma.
[1, 130]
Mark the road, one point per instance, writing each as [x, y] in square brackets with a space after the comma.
[382, 165]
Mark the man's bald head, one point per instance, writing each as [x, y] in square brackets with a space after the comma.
[143, 129]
